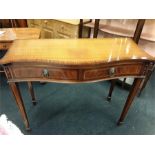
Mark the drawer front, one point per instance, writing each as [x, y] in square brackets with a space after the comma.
[63, 36]
[34, 23]
[30, 22]
[46, 23]
[5, 46]
[47, 33]
[37, 21]
[45, 73]
[65, 29]
[109, 72]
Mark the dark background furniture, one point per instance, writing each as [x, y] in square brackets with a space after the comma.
[8, 23]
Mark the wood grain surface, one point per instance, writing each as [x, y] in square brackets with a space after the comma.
[74, 51]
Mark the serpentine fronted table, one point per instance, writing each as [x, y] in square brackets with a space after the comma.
[75, 61]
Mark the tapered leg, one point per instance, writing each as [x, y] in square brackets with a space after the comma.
[123, 82]
[111, 89]
[145, 82]
[31, 90]
[16, 92]
[132, 94]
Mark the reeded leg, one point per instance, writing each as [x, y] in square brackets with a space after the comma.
[111, 89]
[132, 94]
[31, 90]
[16, 92]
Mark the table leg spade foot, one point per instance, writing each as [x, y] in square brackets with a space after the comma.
[34, 102]
[28, 129]
[108, 98]
[120, 123]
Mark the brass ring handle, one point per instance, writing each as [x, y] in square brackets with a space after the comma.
[112, 71]
[45, 73]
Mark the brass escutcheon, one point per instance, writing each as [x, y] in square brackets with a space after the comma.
[112, 71]
[45, 73]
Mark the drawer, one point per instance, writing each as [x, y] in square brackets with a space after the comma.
[45, 33]
[44, 73]
[109, 72]
[62, 35]
[30, 22]
[34, 22]
[37, 22]
[46, 23]
[67, 29]
[4, 46]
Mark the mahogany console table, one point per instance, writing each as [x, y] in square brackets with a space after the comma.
[75, 61]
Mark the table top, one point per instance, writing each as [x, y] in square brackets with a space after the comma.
[11, 34]
[74, 51]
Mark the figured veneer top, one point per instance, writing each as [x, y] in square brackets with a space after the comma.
[12, 34]
[74, 51]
